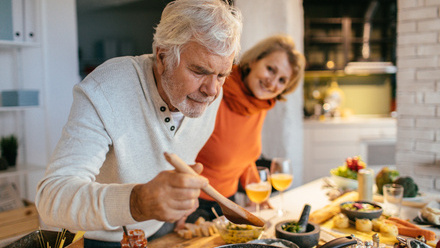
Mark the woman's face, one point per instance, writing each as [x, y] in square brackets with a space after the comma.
[268, 76]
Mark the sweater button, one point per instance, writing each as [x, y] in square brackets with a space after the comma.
[163, 109]
[172, 128]
[167, 119]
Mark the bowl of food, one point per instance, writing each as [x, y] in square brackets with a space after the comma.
[361, 210]
[288, 230]
[275, 242]
[236, 233]
[344, 183]
[345, 176]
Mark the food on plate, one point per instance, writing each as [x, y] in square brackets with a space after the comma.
[385, 176]
[200, 228]
[341, 221]
[431, 214]
[411, 230]
[364, 225]
[410, 188]
[377, 223]
[321, 215]
[350, 168]
[360, 206]
[388, 229]
[135, 239]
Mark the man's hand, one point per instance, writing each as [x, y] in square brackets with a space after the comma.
[169, 197]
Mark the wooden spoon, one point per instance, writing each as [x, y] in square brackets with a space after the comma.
[231, 210]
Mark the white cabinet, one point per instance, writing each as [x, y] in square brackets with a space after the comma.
[328, 143]
[22, 68]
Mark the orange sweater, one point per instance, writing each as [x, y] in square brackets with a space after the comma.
[230, 153]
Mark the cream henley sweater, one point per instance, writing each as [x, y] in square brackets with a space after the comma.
[117, 131]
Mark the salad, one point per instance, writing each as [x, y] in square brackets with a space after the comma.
[350, 168]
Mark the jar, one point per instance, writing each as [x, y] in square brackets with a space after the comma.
[365, 184]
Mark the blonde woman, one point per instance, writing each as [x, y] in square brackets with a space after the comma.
[266, 74]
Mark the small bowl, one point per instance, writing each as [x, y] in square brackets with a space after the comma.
[358, 214]
[307, 239]
[231, 236]
[344, 183]
[286, 243]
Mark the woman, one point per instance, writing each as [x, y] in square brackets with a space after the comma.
[266, 73]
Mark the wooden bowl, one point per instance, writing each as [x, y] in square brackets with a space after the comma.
[307, 239]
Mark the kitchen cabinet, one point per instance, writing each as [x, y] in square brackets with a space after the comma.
[328, 143]
[334, 33]
[22, 63]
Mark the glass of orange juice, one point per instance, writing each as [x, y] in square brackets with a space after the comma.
[281, 173]
[259, 192]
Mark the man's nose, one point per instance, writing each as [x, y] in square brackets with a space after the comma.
[209, 87]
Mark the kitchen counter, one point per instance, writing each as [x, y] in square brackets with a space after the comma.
[352, 120]
[294, 200]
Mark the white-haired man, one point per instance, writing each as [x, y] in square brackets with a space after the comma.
[108, 169]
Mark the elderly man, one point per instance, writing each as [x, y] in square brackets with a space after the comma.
[108, 169]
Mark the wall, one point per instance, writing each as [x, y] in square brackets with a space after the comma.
[282, 131]
[418, 91]
[130, 30]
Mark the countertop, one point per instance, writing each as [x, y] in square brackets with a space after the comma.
[352, 120]
[311, 193]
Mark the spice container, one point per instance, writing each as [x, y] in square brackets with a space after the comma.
[365, 184]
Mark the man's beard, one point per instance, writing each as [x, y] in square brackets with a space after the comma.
[186, 106]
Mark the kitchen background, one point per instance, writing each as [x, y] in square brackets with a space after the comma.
[72, 37]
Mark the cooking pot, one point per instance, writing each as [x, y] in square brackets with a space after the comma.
[336, 243]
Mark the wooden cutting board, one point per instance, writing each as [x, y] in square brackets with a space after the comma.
[172, 240]
[388, 240]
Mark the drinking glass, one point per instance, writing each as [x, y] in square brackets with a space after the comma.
[392, 198]
[281, 173]
[259, 192]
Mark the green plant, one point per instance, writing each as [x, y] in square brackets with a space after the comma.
[9, 148]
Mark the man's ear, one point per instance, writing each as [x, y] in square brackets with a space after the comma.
[160, 60]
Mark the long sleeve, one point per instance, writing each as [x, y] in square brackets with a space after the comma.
[114, 138]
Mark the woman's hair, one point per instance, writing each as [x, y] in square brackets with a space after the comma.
[212, 23]
[274, 44]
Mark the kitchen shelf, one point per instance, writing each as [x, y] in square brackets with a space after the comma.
[11, 44]
[20, 170]
[340, 39]
[18, 108]
[21, 60]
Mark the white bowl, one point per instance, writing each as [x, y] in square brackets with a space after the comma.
[344, 183]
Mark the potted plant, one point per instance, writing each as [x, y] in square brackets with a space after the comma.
[9, 149]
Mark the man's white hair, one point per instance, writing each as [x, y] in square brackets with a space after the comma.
[212, 23]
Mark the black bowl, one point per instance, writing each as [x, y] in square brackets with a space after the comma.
[356, 214]
[307, 239]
